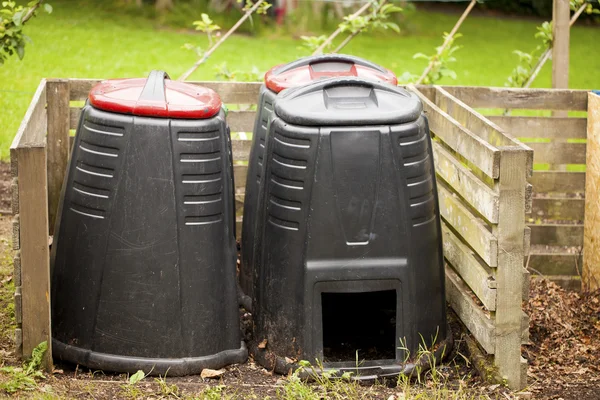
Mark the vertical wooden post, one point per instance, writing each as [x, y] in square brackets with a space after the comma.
[591, 233]
[57, 94]
[560, 45]
[35, 258]
[509, 275]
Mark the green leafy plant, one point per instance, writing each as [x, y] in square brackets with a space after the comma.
[521, 73]
[131, 388]
[544, 32]
[24, 378]
[167, 390]
[205, 24]
[439, 62]
[224, 73]
[589, 9]
[377, 19]
[262, 9]
[12, 20]
[311, 43]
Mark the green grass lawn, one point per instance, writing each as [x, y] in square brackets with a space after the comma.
[83, 42]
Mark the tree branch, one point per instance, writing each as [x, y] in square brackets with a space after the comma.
[31, 11]
[209, 52]
[361, 10]
[447, 41]
[355, 33]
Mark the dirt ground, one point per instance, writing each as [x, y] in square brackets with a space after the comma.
[564, 357]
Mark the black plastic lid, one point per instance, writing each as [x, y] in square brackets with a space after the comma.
[347, 101]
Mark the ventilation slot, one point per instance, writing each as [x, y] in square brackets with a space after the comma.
[197, 136]
[98, 149]
[200, 157]
[106, 130]
[292, 142]
[201, 178]
[86, 211]
[359, 324]
[288, 162]
[287, 183]
[283, 224]
[202, 199]
[203, 220]
[286, 204]
[95, 171]
[90, 191]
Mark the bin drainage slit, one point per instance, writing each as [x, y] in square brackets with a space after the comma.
[208, 199]
[421, 161]
[200, 157]
[201, 178]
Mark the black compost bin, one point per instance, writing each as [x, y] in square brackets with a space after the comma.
[350, 262]
[282, 77]
[143, 261]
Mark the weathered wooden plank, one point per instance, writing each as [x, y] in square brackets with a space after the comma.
[558, 182]
[528, 198]
[543, 127]
[527, 241]
[16, 233]
[57, 93]
[559, 208]
[35, 257]
[549, 264]
[479, 324]
[230, 92]
[476, 150]
[14, 190]
[478, 276]
[468, 226]
[239, 176]
[558, 153]
[526, 284]
[561, 16]
[17, 268]
[567, 282]
[510, 232]
[474, 121]
[239, 121]
[480, 196]
[241, 149]
[532, 99]
[32, 131]
[557, 234]
[18, 299]
[591, 244]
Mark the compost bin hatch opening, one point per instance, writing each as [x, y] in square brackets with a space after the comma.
[359, 322]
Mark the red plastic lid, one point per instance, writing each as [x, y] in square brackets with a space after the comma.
[309, 69]
[157, 96]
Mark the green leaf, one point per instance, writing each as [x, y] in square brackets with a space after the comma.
[48, 8]
[135, 378]
[21, 51]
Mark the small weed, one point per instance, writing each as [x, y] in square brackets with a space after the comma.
[24, 378]
[131, 389]
[213, 393]
[167, 390]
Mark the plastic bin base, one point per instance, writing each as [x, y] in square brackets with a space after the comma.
[368, 371]
[152, 366]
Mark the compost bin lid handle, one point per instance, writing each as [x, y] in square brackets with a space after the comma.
[154, 89]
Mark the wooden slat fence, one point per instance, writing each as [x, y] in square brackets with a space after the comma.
[558, 180]
[483, 190]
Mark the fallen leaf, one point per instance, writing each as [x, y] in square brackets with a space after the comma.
[208, 373]
[58, 371]
[263, 344]
[289, 360]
